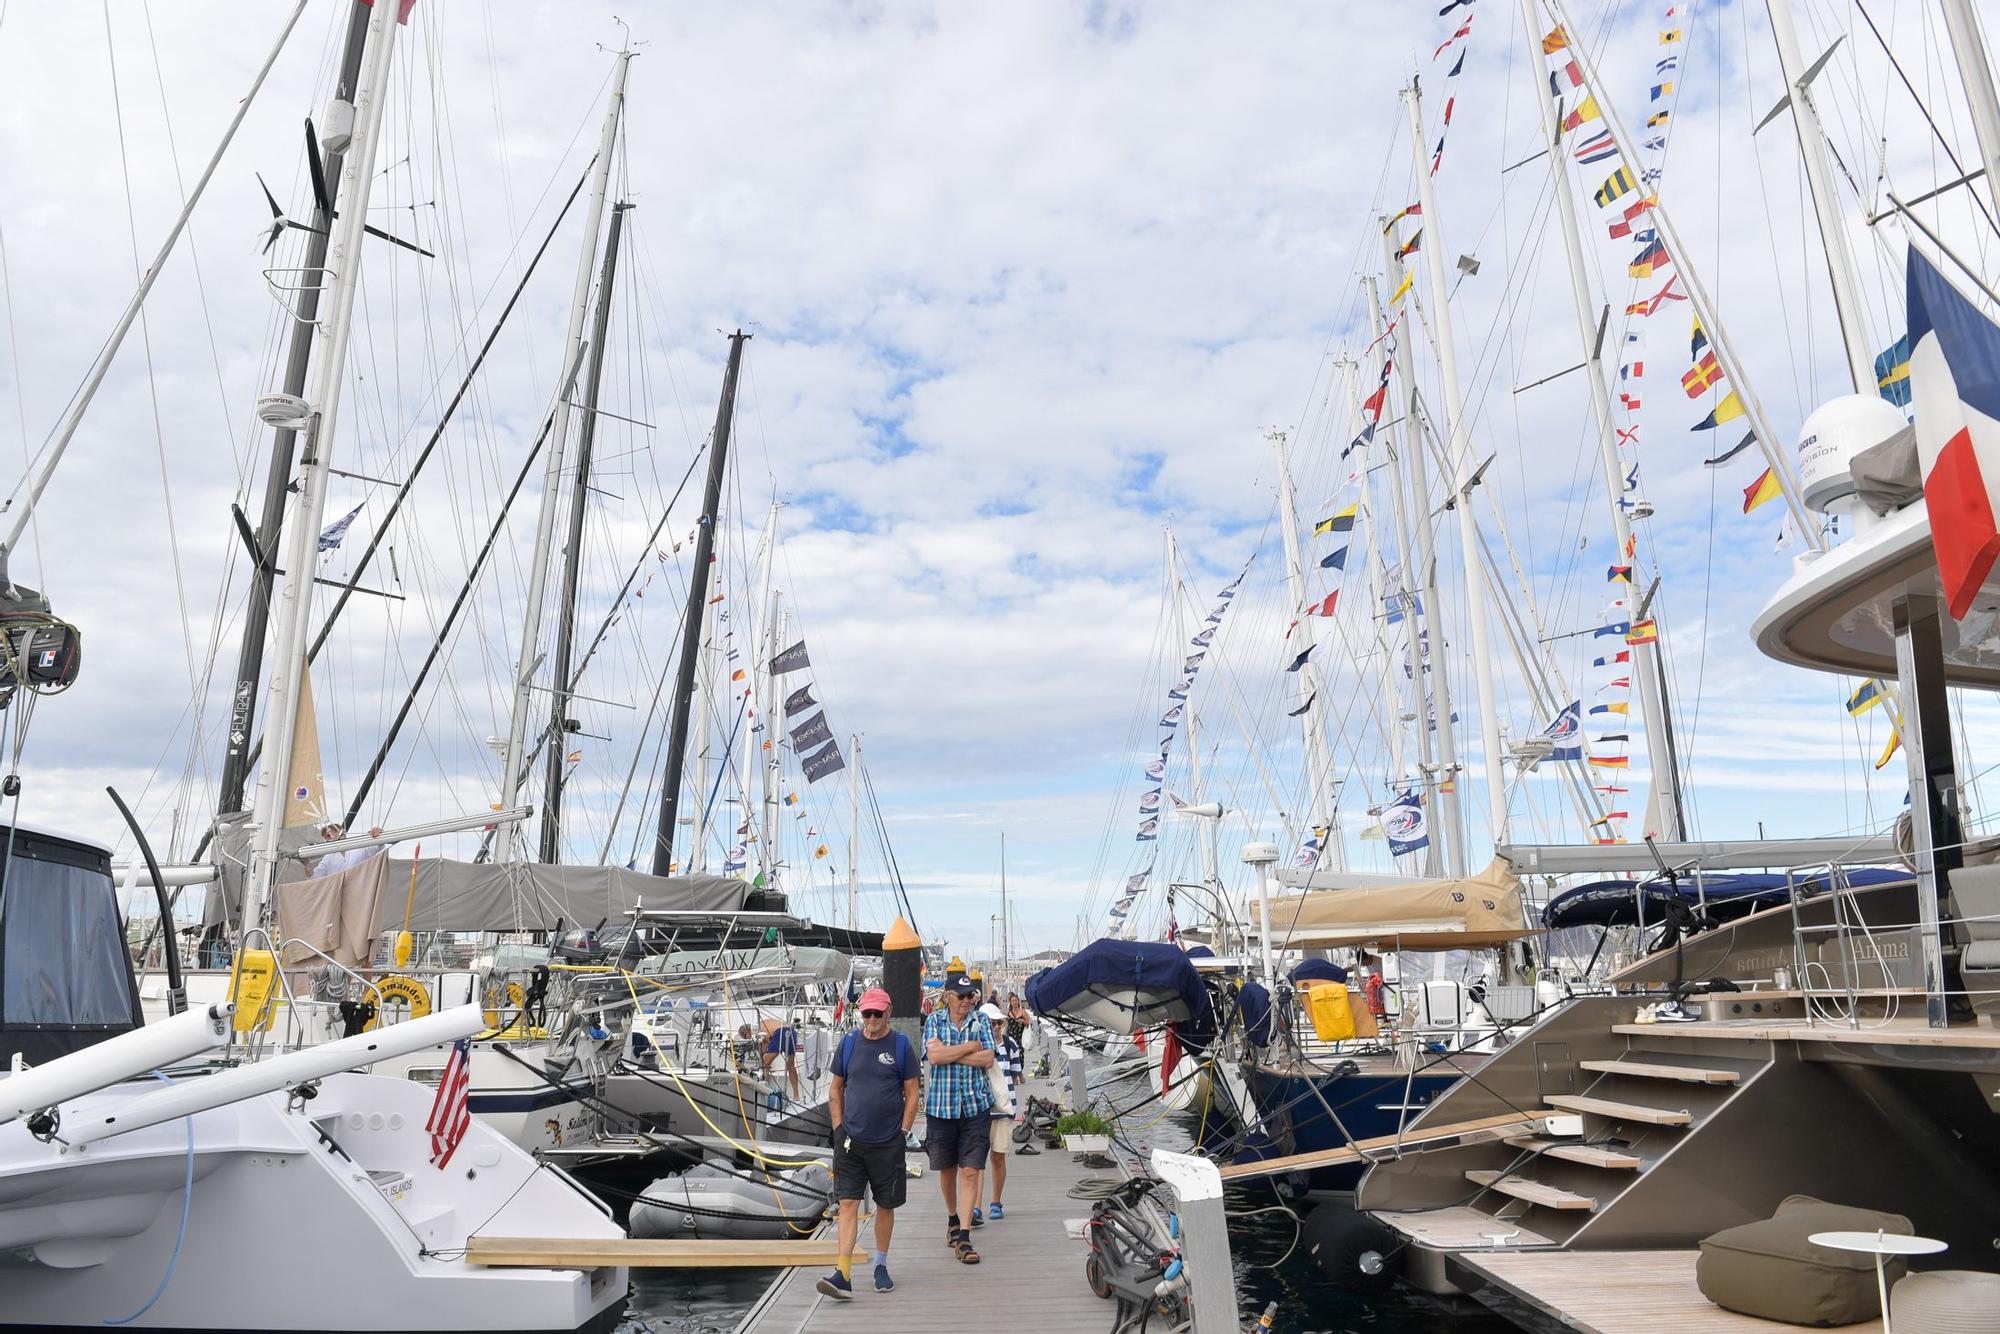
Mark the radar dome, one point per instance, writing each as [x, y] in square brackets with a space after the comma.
[1833, 435]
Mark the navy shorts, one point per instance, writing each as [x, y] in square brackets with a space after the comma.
[878, 1167]
[958, 1141]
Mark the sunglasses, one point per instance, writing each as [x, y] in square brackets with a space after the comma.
[873, 1014]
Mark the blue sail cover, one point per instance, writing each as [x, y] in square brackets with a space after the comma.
[1728, 897]
[1123, 986]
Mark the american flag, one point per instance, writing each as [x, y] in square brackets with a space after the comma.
[451, 1110]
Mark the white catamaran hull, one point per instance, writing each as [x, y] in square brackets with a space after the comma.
[329, 1216]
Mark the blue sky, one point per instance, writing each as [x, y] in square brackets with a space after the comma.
[1028, 283]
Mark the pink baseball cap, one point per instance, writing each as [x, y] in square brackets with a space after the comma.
[874, 999]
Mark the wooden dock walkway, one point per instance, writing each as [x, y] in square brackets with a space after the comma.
[1030, 1274]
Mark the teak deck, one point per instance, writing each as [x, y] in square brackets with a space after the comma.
[1611, 1292]
[1030, 1276]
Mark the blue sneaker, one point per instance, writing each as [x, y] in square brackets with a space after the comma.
[996, 1213]
[836, 1286]
[977, 1219]
[883, 1283]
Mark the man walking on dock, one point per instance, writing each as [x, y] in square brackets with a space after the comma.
[873, 1101]
[958, 1042]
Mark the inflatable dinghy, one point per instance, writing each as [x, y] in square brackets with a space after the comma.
[709, 1202]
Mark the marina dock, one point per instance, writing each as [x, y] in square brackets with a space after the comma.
[1030, 1274]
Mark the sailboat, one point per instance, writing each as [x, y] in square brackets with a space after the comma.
[139, 1169]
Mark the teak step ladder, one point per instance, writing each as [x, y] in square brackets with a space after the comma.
[1684, 1074]
[1534, 1192]
[1595, 1155]
[1620, 1111]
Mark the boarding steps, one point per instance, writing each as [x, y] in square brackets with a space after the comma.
[1628, 1103]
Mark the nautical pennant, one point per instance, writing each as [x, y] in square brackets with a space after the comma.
[1335, 561]
[1702, 376]
[1728, 410]
[1761, 491]
[1303, 707]
[1599, 147]
[1617, 185]
[1733, 451]
[1865, 698]
[1652, 257]
[1324, 608]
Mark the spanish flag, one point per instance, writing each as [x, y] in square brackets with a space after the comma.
[1341, 522]
[1611, 761]
[1643, 632]
[1765, 488]
[1556, 41]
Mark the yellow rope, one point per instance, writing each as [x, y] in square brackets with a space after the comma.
[639, 1016]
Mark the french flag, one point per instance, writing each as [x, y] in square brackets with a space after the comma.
[1955, 389]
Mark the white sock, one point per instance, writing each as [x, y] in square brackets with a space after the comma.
[881, 1257]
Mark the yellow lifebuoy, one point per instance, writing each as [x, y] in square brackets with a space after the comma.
[515, 999]
[400, 989]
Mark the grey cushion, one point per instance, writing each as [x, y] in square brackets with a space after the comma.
[1769, 1270]
[1981, 954]
[1946, 1301]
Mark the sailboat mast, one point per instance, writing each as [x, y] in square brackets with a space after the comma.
[560, 725]
[1321, 799]
[1432, 686]
[854, 834]
[1005, 944]
[1662, 762]
[1457, 433]
[695, 618]
[1206, 838]
[1826, 205]
[772, 712]
[1704, 310]
[1975, 69]
[318, 415]
[278, 472]
[512, 774]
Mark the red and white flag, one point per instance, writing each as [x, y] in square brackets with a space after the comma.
[1955, 392]
[451, 1110]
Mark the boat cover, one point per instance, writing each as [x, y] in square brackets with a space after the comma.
[1123, 986]
[1318, 970]
[1727, 897]
[808, 962]
[1478, 912]
[1253, 1007]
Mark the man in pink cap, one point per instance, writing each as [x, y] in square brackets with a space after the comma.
[873, 1099]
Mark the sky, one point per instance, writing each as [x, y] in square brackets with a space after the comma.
[1027, 285]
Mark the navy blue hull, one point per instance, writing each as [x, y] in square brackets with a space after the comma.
[1305, 1114]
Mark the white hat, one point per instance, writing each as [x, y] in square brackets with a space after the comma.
[991, 1011]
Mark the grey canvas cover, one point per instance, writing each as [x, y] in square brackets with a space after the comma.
[1889, 476]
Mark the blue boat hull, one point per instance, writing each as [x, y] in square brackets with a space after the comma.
[1308, 1113]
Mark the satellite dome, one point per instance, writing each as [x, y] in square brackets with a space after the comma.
[1837, 431]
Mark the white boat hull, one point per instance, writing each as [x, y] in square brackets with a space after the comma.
[326, 1217]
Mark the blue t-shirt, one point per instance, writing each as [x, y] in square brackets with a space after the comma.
[874, 1071]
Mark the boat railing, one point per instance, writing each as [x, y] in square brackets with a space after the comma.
[1865, 948]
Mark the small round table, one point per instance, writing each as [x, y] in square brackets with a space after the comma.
[1878, 1244]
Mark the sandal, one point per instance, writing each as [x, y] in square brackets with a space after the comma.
[961, 1244]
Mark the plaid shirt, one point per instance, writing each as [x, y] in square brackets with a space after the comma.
[957, 1090]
